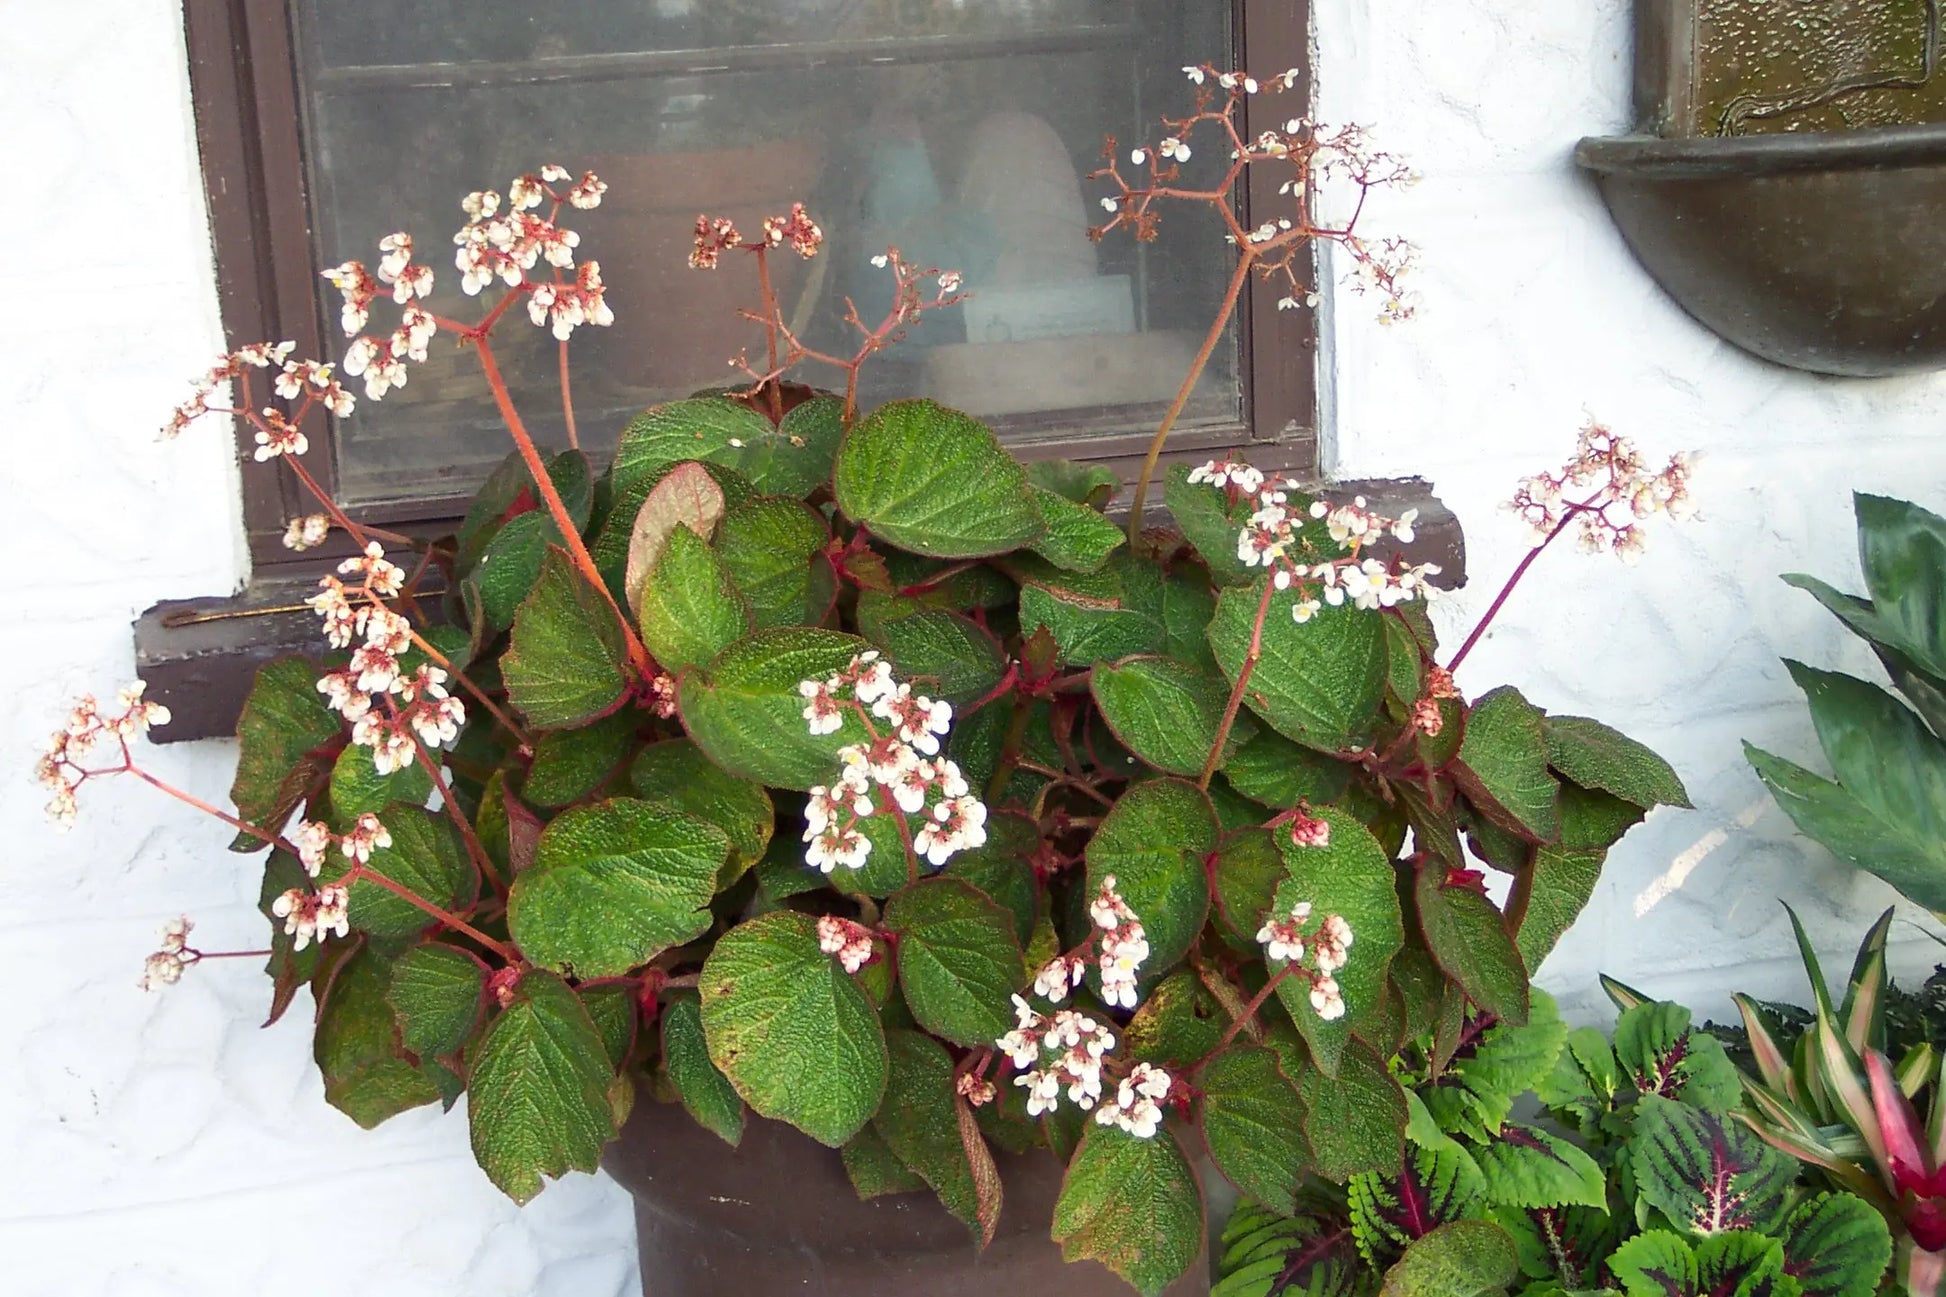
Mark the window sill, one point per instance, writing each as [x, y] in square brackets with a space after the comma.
[200, 656]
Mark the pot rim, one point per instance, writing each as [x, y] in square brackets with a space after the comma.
[1651, 157]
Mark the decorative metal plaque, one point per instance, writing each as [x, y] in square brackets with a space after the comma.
[1744, 67]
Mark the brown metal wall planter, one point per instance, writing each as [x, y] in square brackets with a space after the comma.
[1787, 184]
[777, 1217]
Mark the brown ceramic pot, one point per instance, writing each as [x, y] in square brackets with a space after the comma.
[777, 1216]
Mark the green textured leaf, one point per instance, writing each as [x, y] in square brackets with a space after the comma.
[945, 654]
[1706, 1172]
[367, 1075]
[1655, 1264]
[357, 788]
[1836, 1246]
[874, 1169]
[917, 1124]
[539, 1095]
[1508, 1060]
[570, 764]
[1178, 1025]
[687, 496]
[1167, 712]
[1280, 773]
[1468, 1258]
[1356, 1119]
[1902, 549]
[1133, 1205]
[1503, 766]
[1468, 937]
[1125, 608]
[1431, 1187]
[509, 494]
[1350, 876]
[773, 549]
[1003, 869]
[934, 481]
[1253, 1125]
[1320, 683]
[509, 566]
[796, 1036]
[691, 611]
[565, 665]
[1528, 1167]
[1595, 756]
[790, 459]
[283, 724]
[1152, 842]
[1662, 1054]
[1736, 1264]
[1247, 871]
[611, 1007]
[288, 967]
[1091, 484]
[437, 992]
[1558, 886]
[1212, 524]
[614, 531]
[613, 885]
[705, 1092]
[959, 962]
[677, 774]
[744, 711]
[427, 856]
[1077, 538]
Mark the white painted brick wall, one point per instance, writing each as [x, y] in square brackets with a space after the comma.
[161, 1144]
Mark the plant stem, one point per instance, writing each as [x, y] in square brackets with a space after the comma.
[776, 394]
[474, 848]
[1245, 259]
[570, 534]
[1236, 692]
[479, 695]
[1249, 1011]
[366, 873]
[1499, 600]
[567, 399]
[241, 826]
[1003, 771]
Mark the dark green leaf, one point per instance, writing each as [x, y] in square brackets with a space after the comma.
[1166, 712]
[1432, 1187]
[705, 1092]
[918, 1125]
[1594, 756]
[1902, 549]
[427, 856]
[613, 885]
[288, 967]
[745, 712]
[1468, 937]
[509, 567]
[1355, 1120]
[1528, 1167]
[874, 1169]
[570, 764]
[677, 774]
[945, 654]
[1133, 1205]
[787, 460]
[1091, 484]
[1662, 1054]
[1003, 869]
[1247, 871]
[1836, 1246]
[565, 666]
[437, 992]
[959, 961]
[690, 609]
[796, 1036]
[1280, 773]
[1320, 682]
[1178, 1025]
[284, 723]
[1557, 888]
[1707, 1173]
[540, 1094]
[611, 1007]
[1253, 1125]
[1503, 765]
[773, 549]
[1077, 538]
[1095, 617]
[357, 788]
[1152, 842]
[933, 481]
[367, 1074]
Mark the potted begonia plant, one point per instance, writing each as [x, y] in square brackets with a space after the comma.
[815, 796]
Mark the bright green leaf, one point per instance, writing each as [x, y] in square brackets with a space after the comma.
[427, 856]
[959, 961]
[1077, 539]
[1836, 1246]
[705, 1092]
[357, 787]
[437, 992]
[566, 664]
[676, 773]
[1319, 682]
[744, 710]
[1467, 1258]
[1167, 712]
[790, 459]
[773, 550]
[1595, 756]
[1707, 1173]
[690, 609]
[934, 481]
[1133, 1205]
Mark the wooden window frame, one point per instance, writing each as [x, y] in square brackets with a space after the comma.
[199, 655]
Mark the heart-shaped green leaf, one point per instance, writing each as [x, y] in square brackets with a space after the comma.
[691, 610]
[566, 664]
[1167, 712]
[540, 1095]
[934, 481]
[794, 1033]
[1253, 1125]
[959, 961]
[705, 1092]
[367, 1075]
[613, 885]
[285, 721]
[745, 712]
[1152, 842]
[773, 550]
[1503, 766]
[1348, 876]
[437, 992]
[1468, 935]
[1319, 682]
[1133, 1205]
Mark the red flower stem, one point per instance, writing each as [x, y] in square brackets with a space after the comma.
[1245, 259]
[440, 660]
[1010, 747]
[567, 397]
[1249, 1012]
[201, 955]
[360, 533]
[1236, 693]
[366, 873]
[241, 826]
[1499, 600]
[474, 848]
[771, 326]
[576, 548]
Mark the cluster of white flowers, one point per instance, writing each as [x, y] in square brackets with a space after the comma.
[975, 1089]
[1284, 940]
[1124, 944]
[60, 769]
[904, 762]
[314, 839]
[1062, 1053]
[1621, 491]
[306, 382]
[1137, 1105]
[1273, 529]
[314, 915]
[416, 702]
[568, 306]
[505, 246]
[164, 967]
[716, 235]
[850, 943]
[797, 229]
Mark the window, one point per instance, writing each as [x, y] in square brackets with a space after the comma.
[960, 130]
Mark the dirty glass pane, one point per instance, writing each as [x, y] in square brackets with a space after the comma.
[959, 130]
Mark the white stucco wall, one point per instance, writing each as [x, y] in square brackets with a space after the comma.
[164, 1143]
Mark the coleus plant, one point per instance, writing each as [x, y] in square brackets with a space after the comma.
[840, 768]
[1631, 1176]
